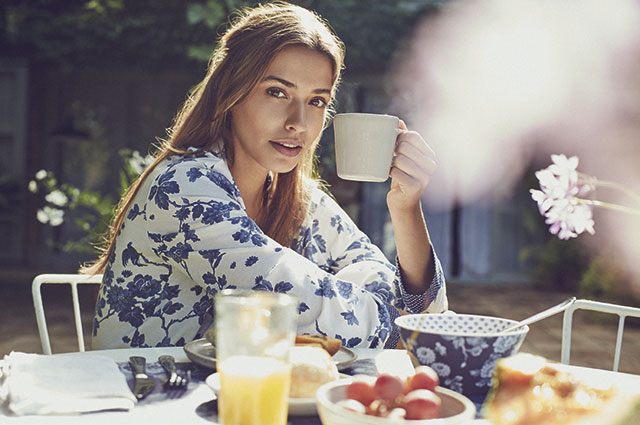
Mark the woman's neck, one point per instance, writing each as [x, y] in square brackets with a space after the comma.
[251, 187]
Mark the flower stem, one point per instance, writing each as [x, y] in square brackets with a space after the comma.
[609, 205]
[613, 185]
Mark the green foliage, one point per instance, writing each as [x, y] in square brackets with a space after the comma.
[89, 211]
[211, 15]
[556, 264]
[373, 31]
[604, 280]
[151, 34]
[141, 33]
[601, 280]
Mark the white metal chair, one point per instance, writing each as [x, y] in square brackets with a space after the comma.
[622, 311]
[66, 279]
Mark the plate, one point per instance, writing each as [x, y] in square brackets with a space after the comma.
[203, 352]
[297, 406]
[344, 357]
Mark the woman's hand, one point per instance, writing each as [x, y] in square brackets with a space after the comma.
[413, 165]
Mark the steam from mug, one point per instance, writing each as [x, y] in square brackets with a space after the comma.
[364, 145]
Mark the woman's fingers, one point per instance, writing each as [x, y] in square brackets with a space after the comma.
[420, 170]
[413, 165]
[411, 140]
[424, 158]
[414, 156]
[407, 183]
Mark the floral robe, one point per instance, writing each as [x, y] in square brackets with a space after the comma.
[187, 236]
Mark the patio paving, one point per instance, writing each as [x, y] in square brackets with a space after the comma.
[593, 340]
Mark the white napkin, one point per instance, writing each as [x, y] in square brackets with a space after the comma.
[62, 384]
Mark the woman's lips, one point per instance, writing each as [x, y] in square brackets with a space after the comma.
[287, 149]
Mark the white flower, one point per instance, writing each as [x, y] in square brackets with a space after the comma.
[57, 198]
[565, 167]
[52, 216]
[557, 200]
[568, 218]
[42, 216]
[33, 186]
[140, 163]
[41, 175]
[582, 219]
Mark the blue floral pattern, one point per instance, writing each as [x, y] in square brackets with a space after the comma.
[461, 348]
[187, 236]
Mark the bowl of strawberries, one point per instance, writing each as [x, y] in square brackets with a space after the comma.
[389, 399]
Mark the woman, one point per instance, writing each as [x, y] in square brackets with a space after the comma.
[230, 202]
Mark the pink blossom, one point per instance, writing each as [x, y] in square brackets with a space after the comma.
[557, 200]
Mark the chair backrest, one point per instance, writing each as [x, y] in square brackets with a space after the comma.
[621, 311]
[65, 279]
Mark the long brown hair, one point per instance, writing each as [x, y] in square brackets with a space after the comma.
[238, 64]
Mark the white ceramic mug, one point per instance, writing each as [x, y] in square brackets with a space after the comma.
[364, 145]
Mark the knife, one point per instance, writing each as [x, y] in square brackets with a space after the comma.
[143, 384]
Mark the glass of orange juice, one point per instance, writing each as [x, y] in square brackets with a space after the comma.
[255, 331]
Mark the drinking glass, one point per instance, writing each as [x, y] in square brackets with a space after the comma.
[255, 331]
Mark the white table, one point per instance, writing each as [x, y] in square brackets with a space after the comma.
[182, 411]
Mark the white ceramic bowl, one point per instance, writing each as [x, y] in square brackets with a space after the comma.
[461, 348]
[455, 408]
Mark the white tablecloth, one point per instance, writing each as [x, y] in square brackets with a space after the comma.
[182, 410]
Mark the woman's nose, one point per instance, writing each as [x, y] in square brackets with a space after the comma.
[296, 117]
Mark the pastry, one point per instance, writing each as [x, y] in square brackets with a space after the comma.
[331, 345]
[530, 390]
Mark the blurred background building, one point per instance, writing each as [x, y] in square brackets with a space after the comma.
[81, 81]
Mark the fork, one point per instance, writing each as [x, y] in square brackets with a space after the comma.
[175, 381]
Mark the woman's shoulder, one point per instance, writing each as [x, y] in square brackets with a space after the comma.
[319, 195]
[192, 159]
[323, 204]
[196, 168]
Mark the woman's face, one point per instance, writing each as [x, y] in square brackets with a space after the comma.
[283, 115]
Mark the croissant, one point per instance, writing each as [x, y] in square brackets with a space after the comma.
[331, 345]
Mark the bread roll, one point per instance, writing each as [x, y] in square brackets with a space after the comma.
[311, 368]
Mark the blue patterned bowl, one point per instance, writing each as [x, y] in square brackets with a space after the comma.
[461, 348]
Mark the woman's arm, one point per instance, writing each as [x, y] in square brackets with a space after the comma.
[414, 164]
[336, 244]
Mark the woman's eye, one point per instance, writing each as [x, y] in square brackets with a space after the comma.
[275, 92]
[319, 102]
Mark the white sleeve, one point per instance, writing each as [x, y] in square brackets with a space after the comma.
[331, 240]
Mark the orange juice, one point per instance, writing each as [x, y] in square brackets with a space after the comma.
[253, 391]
